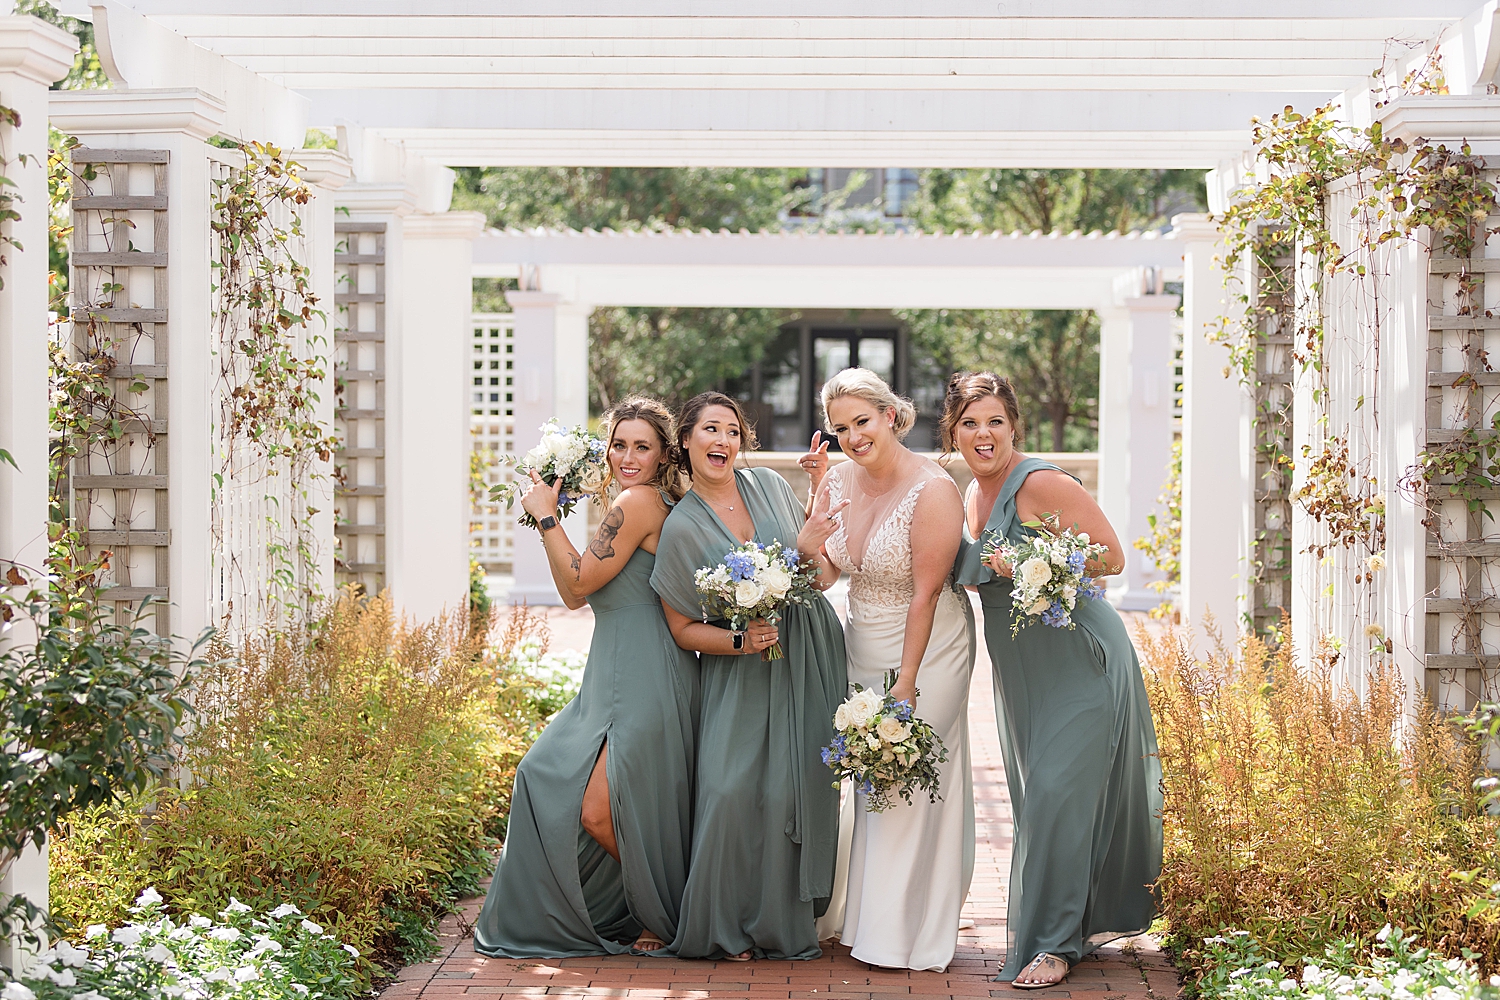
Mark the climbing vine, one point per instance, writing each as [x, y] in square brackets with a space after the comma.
[271, 362]
[1330, 203]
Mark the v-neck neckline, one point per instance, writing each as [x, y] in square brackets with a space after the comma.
[754, 528]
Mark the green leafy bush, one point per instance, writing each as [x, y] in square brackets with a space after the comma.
[1305, 813]
[279, 955]
[88, 708]
[359, 769]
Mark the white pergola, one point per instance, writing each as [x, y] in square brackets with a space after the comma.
[564, 275]
[414, 88]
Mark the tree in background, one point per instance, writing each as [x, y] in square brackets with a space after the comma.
[654, 350]
[1052, 355]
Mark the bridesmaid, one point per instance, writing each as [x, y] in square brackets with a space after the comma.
[766, 821]
[596, 852]
[1075, 726]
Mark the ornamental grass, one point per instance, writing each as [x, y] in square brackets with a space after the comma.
[1306, 813]
[359, 768]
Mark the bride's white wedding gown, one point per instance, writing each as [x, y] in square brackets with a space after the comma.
[908, 868]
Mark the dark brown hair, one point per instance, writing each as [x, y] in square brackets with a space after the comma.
[692, 412]
[968, 388]
[667, 478]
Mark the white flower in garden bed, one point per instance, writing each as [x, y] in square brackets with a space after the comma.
[157, 957]
[1396, 968]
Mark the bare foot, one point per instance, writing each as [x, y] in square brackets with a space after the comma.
[648, 942]
[1044, 970]
[743, 956]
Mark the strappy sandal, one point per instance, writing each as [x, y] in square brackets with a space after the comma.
[648, 943]
[1035, 964]
[743, 956]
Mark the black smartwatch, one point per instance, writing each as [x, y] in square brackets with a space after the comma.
[739, 641]
[547, 523]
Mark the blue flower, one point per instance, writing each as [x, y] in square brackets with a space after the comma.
[866, 786]
[1056, 615]
[563, 499]
[828, 755]
[903, 711]
[790, 557]
[1076, 562]
[740, 566]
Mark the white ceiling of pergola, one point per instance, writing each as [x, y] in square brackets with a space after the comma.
[1166, 83]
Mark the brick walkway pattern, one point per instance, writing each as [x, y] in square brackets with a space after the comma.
[1134, 969]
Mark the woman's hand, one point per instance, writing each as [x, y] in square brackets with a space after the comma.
[999, 565]
[905, 690]
[819, 527]
[760, 635]
[815, 463]
[540, 500]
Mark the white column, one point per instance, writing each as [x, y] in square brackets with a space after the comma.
[427, 423]
[1135, 425]
[32, 55]
[551, 380]
[325, 171]
[1217, 505]
[180, 122]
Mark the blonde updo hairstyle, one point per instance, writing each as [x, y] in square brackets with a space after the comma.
[861, 383]
[666, 479]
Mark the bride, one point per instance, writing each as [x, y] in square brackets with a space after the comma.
[909, 867]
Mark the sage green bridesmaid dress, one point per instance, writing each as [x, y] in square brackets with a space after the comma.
[1080, 759]
[765, 830]
[556, 893]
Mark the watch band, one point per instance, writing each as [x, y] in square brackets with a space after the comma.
[739, 641]
[547, 523]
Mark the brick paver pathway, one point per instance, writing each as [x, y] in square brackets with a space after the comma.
[1131, 970]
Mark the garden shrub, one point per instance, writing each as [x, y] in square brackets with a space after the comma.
[1305, 813]
[359, 769]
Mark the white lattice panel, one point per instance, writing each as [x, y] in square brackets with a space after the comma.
[490, 378]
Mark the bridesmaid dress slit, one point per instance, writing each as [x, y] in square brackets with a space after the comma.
[556, 893]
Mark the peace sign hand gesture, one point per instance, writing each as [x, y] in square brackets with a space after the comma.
[815, 462]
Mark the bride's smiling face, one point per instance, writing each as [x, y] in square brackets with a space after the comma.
[985, 436]
[712, 445]
[865, 432]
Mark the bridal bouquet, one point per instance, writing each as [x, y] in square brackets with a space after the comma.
[756, 581]
[880, 747]
[573, 454]
[1049, 575]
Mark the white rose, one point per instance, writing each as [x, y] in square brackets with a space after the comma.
[776, 580]
[841, 717]
[1041, 605]
[537, 457]
[863, 706]
[1083, 536]
[593, 479]
[1035, 572]
[1375, 563]
[747, 593]
[893, 730]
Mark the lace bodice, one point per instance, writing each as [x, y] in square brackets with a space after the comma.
[884, 576]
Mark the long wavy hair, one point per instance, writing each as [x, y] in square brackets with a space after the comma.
[666, 478]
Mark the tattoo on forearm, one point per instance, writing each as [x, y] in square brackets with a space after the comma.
[603, 545]
[577, 564]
